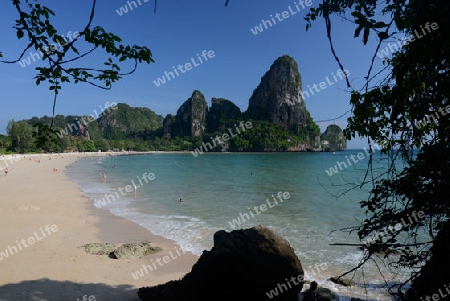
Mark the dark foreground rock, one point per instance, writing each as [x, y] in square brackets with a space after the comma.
[322, 294]
[434, 279]
[242, 265]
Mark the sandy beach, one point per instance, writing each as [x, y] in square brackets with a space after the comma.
[46, 218]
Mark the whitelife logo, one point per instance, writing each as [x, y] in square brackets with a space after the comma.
[435, 116]
[161, 262]
[86, 120]
[323, 85]
[244, 217]
[437, 297]
[280, 17]
[128, 189]
[395, 229]
[187, 66]
[342, 165]
[130, 4]
[391, 48]
[225, 137]
[11, 250]
[35, 56]
[282, 287]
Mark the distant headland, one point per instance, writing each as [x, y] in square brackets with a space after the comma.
[276, 120]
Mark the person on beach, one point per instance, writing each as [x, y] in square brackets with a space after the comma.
[310, 294]
[6, 171]
[104, 177]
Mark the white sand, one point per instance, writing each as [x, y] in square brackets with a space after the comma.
[49, 265]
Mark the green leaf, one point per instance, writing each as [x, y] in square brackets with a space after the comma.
[75, 50]
[383, 35]
[358, 31]
[380, 25]
[366, 35]
[19, 34]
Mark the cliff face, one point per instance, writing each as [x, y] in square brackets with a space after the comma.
[333, 139]
[168, 121]
[83, 132]
[222, 114]
[191, 116]
[277, 98]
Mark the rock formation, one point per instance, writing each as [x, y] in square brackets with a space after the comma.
[278, 97]
[333, 139]
[324, 294]
[125, 251]
[280, 122]
[83, 131]
[168, 122]
[130, 250]
[242, 265]
[191, 116]
[99, 248]
[222, 114]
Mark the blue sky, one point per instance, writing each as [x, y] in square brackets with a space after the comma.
[175, 34]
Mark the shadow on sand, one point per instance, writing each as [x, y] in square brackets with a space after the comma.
[51, 290]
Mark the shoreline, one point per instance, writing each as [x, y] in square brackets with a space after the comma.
[55, 268]
[74, 273]
[134, 153]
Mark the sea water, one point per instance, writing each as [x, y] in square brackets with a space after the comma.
[220, 190]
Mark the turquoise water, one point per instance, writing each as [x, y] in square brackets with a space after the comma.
[219, 188]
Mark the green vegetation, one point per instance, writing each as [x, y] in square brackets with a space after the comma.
[21, 136]
[141, 129]
[5, 144]
[335, 138]
[412, 84]
[266, 136]
[222, 114]
[35, 25]
[126, 122]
